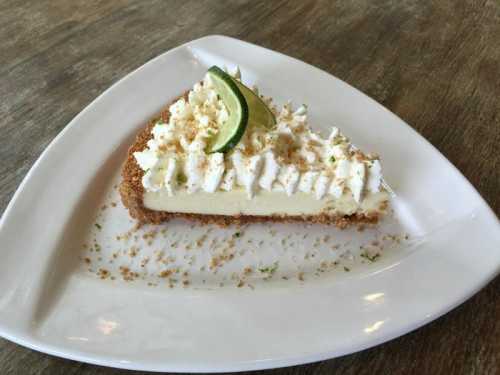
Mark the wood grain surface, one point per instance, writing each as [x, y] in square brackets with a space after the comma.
[436, 64]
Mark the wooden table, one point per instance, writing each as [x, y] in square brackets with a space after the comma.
[435, 64]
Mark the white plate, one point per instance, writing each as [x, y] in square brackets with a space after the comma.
[50, 302]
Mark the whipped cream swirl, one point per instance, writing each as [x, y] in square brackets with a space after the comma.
[290, 158]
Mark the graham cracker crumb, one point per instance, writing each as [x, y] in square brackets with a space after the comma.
[166, 273]
[133, 252]
[103, 273]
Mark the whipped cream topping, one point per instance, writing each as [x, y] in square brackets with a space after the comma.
[290, 157]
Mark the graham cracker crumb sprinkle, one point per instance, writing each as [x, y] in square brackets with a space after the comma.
[132, 252]
[103, 273]
[166, 273]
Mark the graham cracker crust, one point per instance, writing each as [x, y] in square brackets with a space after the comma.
[131, 192]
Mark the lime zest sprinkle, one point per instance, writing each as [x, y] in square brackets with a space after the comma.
[270, 269]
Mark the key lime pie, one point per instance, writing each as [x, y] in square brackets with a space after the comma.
[222, 153]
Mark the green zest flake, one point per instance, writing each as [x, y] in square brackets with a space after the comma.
[332, 159]
[98, 226]
[269, 269]
[181, 179]
[371, 258]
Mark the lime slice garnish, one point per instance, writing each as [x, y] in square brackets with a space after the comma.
[231, 131]
[259, 113]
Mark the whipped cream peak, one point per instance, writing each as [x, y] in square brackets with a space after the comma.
[290, 158]
[247, 171]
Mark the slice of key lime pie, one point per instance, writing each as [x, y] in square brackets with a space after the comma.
[222, 153]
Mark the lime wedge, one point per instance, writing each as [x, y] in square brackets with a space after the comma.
[259, 112]
[231, 131]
